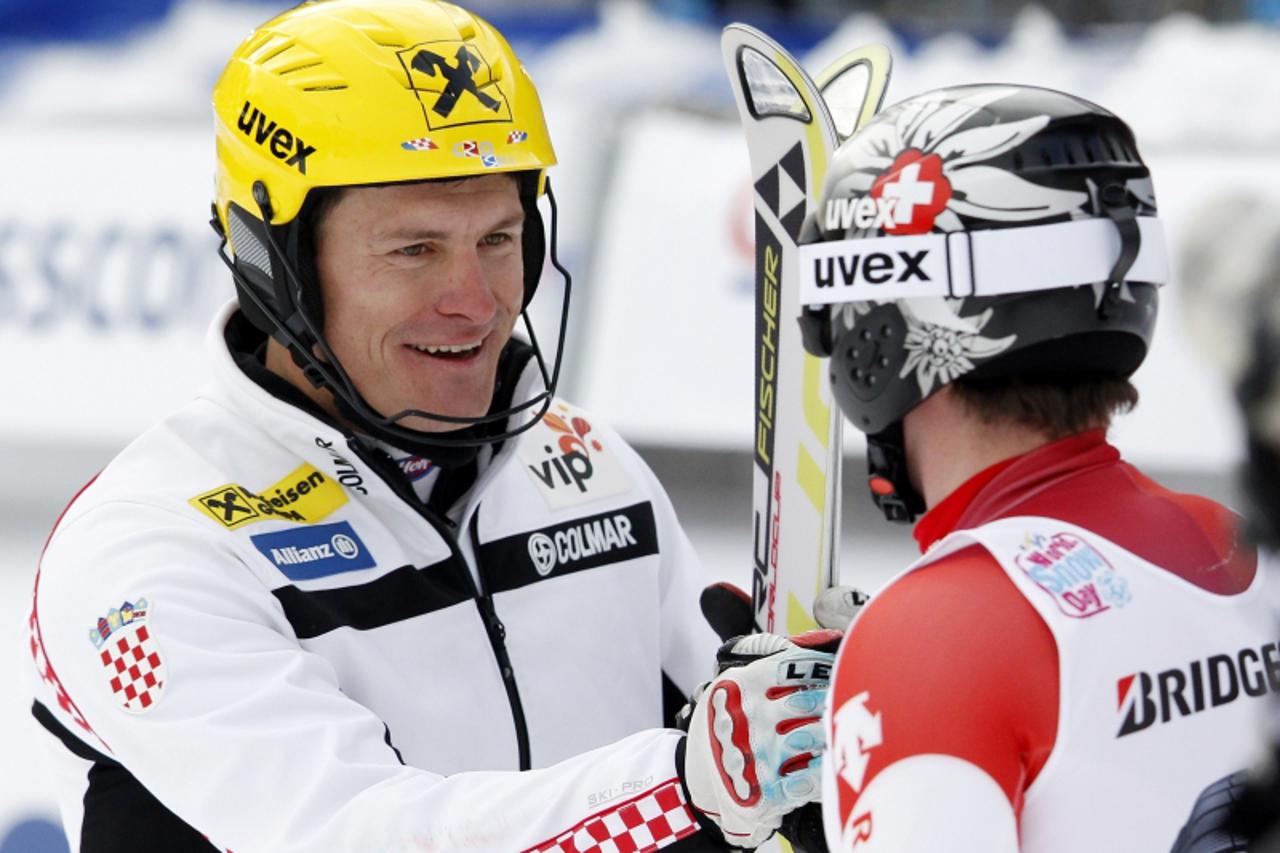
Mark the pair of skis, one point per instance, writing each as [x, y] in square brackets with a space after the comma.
[793, 125]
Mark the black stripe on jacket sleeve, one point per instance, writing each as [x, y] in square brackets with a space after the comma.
[120, 815]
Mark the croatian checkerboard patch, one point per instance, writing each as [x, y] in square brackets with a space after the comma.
[651, 821]
[130, 655]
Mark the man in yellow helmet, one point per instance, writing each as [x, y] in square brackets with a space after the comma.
[377, 562]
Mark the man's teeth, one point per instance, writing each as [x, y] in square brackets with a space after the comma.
[429, 350]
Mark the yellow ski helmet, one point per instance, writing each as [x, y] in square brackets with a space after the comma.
[346, 93]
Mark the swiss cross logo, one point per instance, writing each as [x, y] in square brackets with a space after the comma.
[917, 189]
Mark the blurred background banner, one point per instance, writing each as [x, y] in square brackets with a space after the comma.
[108, 274]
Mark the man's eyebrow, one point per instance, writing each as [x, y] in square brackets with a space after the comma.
[413, 232]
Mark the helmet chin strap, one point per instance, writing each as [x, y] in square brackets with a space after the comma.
[301, 336]
[887, 476]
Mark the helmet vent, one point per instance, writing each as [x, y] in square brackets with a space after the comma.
[380, 31]
[246, 245]
[270, 49]
[299, 66]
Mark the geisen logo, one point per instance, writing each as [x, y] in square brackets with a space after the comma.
[305, 553]
[1146, 699]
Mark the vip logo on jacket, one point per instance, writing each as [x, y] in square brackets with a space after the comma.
[568, 464]
[304, 495]
[306, 553]
[1078, 577]
[1201, 685]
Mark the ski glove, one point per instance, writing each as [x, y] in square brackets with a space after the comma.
[755, 743]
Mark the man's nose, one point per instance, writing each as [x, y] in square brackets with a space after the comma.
[469, 293]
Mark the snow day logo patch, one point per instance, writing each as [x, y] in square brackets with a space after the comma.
[130, 655]
[1079, 578]
[568, 464]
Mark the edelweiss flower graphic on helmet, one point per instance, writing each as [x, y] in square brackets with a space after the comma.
[942, 353]
[924, 173]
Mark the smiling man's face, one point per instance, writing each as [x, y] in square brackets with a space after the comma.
[422, 285]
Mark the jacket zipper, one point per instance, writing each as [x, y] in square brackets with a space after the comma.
[496, 631]
[498, 639]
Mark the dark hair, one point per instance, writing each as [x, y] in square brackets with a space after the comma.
[1057, 405]
[319, 203]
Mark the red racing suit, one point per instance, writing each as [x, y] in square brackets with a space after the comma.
[1077, 655]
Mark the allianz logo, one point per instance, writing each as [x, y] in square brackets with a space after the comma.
[598, 536]
[340, 545]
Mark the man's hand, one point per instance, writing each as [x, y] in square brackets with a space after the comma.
[755, 741]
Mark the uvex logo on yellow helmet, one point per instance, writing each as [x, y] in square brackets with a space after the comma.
[282, 143]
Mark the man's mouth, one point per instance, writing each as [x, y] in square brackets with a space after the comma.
[448, 351]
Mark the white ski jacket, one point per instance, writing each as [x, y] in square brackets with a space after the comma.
[247, 629]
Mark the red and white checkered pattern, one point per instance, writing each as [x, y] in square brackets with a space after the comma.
[651, 821]
[422, 143]
[45, 670]
[132, 659]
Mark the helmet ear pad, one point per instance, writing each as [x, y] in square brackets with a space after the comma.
[262, 282]
[533, 243]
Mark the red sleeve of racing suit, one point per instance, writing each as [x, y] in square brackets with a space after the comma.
[955, 662]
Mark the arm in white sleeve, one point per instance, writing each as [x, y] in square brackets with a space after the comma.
[248, 738]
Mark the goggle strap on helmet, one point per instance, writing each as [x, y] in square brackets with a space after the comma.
[995, 262]
[1118, 207]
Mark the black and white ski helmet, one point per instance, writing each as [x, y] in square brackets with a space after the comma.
[984, 231]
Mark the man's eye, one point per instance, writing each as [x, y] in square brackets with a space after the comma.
[496, 239]
[412, 251]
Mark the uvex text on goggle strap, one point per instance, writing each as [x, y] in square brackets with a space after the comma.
[978, 263]
[328, 372]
